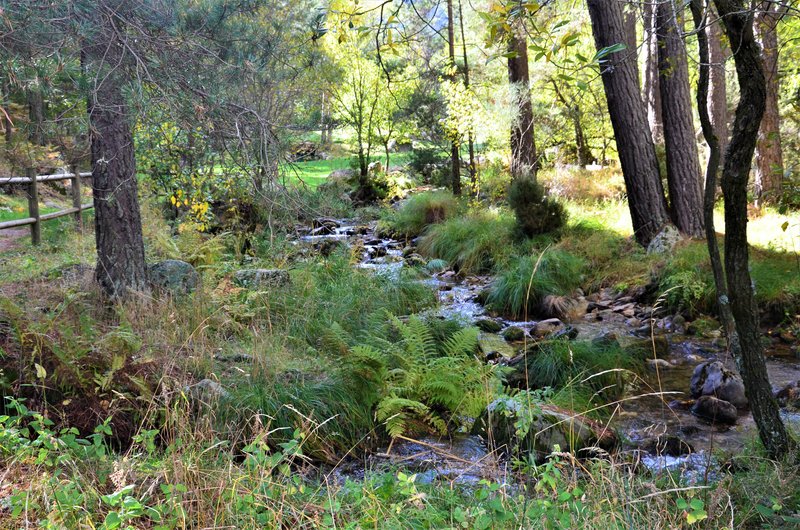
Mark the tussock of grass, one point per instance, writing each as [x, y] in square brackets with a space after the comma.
[521, 288]
[420, 211]
[562, 363]
[473, 243]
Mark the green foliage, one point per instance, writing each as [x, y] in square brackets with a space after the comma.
[521, 287]
[473, 243]
[428, 376]
[421, 211]
[601, 368]
[536, 212]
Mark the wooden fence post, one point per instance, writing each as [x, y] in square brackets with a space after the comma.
[76, 198]
[33, 206]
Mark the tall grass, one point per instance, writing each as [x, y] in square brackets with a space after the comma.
[473, 243]
[520, 289]
[420, 211]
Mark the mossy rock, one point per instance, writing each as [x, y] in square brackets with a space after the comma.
[173, 276]
[514, 334]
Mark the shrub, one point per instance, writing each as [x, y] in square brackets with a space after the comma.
[421, 211]
[536, 212]
[521, 289]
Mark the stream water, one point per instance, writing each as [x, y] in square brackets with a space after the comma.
[655, 407]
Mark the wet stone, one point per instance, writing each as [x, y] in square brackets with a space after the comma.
[514, 334]
[715, 410]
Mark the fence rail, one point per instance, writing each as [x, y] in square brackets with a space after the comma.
[35, 219]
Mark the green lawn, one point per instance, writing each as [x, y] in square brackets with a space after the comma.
[314, 173]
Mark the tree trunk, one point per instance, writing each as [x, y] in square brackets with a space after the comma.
[455, 156]
[683, 166]
[738, 22]
[473, 173]
[631, 43]
[652, 93]
[718, 92]
[637, 153]
[769, 155]
[710, 133]
[121, 268]
[36, 116]
[523, 142]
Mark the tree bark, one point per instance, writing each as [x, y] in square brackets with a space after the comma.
[769, 154]
[36, 116]
[738, 21]
[473, 173]
[121, 268]
[652, 92]
[523, 141]
[637, 152]
[710, 133]
[718, 53]
[455, 155]
[683, 166]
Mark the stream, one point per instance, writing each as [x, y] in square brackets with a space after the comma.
[656, 407]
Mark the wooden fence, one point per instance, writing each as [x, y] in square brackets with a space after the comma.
[34, 219]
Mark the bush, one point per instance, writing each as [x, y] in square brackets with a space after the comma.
[536, 212]
[521, 289]
[421, 211]
[474, 243]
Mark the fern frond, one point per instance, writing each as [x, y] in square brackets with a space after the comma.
[462, 343]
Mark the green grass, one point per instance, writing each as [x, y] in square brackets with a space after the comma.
[473, 243]
[520, 289]
[315, 172]
[420, 211]
[16, 207]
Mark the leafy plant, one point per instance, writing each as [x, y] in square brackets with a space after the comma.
[536, 212]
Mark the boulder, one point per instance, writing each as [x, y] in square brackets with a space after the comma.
[789, 396]
[173, 276]
[260, 278]
[713, 379]
[567, 332]
[715, 410]
[546, 327]
[514, 334]
[206, 391]
[493, 346]
[664, 241]
[489, 325]
[550, 428]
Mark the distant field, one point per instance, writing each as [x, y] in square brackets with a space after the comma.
[314, 173]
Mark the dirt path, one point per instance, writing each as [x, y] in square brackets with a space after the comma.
[11, 238]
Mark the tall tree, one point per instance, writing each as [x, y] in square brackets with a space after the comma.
[652, 92]
[473, 173]
[717, 86]
[523, 143]
[121, 265]
[637, 152]
[700, 13]
[683, 166]
[455, 157]
[738, 21]
[769, 154]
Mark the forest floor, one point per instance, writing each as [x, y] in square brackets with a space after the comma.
[272, 405]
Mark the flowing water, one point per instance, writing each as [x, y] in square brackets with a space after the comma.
[657, 406]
